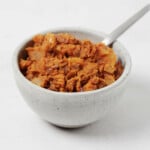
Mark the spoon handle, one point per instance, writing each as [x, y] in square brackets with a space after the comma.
[123, 27]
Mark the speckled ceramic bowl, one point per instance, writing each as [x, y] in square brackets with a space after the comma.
[73, 109]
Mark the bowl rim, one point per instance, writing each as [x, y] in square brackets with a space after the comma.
[121, 79]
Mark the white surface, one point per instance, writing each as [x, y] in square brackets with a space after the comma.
[128, 127]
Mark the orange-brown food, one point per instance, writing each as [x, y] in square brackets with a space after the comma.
[60, 62]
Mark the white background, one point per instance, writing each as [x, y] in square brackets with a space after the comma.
[128, 127]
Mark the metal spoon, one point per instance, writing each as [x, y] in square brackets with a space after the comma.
[123, 27]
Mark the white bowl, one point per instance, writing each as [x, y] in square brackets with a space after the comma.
[73, 109]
